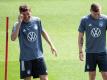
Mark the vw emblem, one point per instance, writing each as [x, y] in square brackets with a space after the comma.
[31, 36]
[95, 32]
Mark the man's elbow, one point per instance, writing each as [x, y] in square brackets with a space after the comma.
[13, 38]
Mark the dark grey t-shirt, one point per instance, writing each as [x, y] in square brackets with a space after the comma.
[95, 31]
[30, 39]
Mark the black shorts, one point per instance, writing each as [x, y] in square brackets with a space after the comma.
[33, 68]
[94, 59]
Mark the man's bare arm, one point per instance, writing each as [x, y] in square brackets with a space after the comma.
[80, 45]
[48, 40]
[15, 33]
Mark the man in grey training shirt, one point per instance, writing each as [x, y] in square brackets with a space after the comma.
[29, 30]
[94, 26]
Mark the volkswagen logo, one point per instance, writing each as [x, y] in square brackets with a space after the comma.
[31, 36]
[95, 32]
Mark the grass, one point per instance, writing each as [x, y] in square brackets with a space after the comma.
[60, 19]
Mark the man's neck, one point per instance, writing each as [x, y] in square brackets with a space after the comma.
[27, 20]
[95, 18]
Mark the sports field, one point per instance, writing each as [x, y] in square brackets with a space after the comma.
[60, 19]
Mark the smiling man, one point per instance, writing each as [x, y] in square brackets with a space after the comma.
[29, 31]
[94, 26]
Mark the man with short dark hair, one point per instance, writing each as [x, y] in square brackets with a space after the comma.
[29, 30]
[94, 26]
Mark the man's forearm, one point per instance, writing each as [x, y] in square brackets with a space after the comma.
[80, 44]
[15, 33]
[80, 41]
[47, 38]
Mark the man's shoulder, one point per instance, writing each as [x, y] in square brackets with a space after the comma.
[85, 17]
[104, 16]
[15, 24]
[36, 18]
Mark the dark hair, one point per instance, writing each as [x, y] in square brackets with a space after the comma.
[95, 7]
[23, 8]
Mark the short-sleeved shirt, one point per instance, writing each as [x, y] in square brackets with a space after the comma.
[30, 39]
[95, 33]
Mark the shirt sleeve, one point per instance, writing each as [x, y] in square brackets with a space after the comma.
[41, 26]
[106, 23]
[82, 26]
[14, 27]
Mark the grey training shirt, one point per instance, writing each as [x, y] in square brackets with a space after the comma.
[30, 39]
[95, 31]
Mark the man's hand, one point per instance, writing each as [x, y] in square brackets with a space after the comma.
[54, 51]
[81, 56]
[20, 18]
[48, 40]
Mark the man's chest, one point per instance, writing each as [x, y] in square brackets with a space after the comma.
[29, 31]
[99, 24]
[95, 28]
[30, 27]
